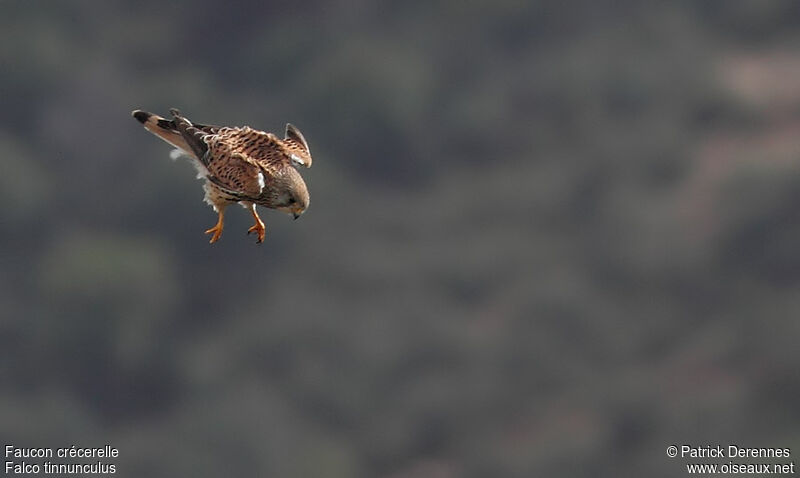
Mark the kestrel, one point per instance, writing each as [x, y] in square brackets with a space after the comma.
[239, 165]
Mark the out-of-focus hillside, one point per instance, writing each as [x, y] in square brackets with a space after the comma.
[544, 238]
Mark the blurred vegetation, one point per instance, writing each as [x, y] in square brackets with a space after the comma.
[545, 238]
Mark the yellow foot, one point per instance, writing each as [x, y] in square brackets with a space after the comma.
[216, 231]
[259, 229]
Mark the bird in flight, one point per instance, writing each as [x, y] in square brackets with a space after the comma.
[239, 164]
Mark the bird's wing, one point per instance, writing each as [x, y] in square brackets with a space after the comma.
[193, 137]
[258, 147]
[231, 167]
[297, 146]
[218, 151]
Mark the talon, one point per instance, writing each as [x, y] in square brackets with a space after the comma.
[259, 229]
[216, 231]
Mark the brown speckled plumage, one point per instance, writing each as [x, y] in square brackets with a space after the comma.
[240, 164]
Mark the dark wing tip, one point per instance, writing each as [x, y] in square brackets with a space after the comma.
[166, 124]
[141, 116]
[294, 134]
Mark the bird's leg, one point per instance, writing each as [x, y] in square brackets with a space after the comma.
[217, 229]
[258, 227]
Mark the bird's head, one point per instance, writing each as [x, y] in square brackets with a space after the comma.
[293, 198]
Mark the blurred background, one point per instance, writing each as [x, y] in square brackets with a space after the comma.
[545, 238]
